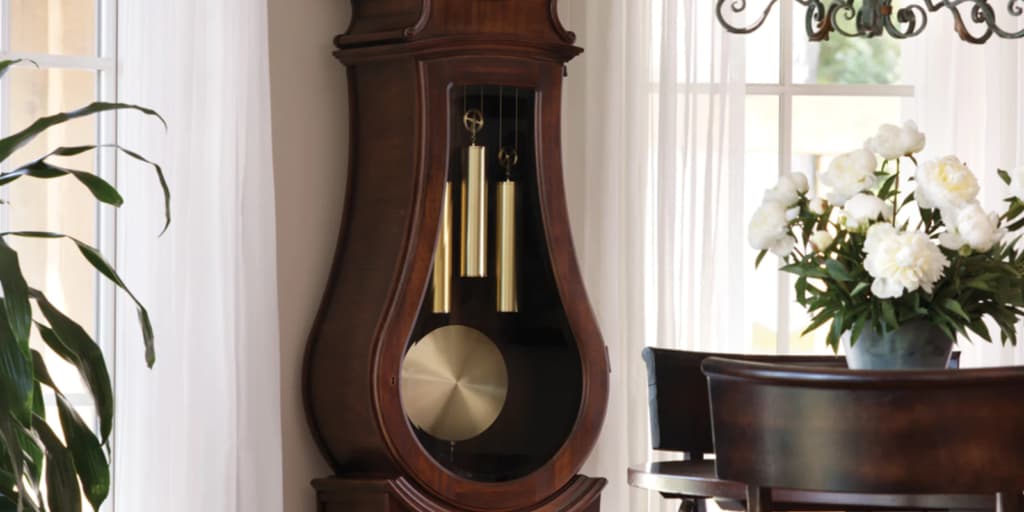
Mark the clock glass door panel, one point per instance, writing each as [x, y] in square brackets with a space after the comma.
[492, 379]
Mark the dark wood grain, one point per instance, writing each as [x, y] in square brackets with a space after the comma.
[677, 390]
[680, 413]
[697, 479]
[406, 61]
[918, 432]
[383, 21]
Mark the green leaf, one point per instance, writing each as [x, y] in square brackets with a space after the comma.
[805, 269]
[16, 381]
[70, 341]
[889, 315]
[100, 189]
[16, 457]
[12, 143]
[979, 328]
[5, 65]
[63, 493]
[818, 321]
[955, 307]
[86, 452]
[860, 288]
[760, 257]
[1005, 176]
[838, 271]
[19, 311]
[93, 256]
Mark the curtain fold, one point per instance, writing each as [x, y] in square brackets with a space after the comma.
[967, 100]
[202, 429]
[653, 137]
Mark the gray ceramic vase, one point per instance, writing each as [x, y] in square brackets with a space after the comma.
[916, 345]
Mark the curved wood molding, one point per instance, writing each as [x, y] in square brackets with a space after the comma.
[393, 21]
[340, 494]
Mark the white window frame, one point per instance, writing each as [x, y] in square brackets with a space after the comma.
[786, 90]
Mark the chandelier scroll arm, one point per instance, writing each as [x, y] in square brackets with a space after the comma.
[738, 7]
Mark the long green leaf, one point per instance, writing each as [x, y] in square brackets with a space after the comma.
[70, 341]
[9, 439]
[16, 381]
[12, 143]
[93, 256]
[101, 189]
[86, 452]
[19, 311]
[5, 65]
[63, 493]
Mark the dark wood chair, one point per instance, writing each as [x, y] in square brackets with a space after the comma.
[835, 430]
[680, 419]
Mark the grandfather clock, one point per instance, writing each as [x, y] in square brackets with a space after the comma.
[456, 364]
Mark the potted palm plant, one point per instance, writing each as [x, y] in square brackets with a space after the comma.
[39, 469]
[899, 267]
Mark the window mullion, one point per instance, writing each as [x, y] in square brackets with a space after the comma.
[785, 155]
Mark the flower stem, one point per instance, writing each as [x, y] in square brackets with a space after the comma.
[896, 194]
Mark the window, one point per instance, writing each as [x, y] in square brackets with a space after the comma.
[72, 42]
[806, 103]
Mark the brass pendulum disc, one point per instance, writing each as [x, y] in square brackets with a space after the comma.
[453, 383]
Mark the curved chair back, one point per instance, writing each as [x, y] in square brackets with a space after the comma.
[678, 395]
[917, 432]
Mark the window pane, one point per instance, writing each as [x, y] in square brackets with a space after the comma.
[53, 26]
[62, 204]
[843, 60]
[823, 127]
[763, 52]
[762, 170]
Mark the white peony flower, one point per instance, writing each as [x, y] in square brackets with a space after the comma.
[893, 141]
[901, 261]
[975, 228]
[946, 184]
[821, 240]
[788, 190]
[769, 230]
[849, 174]
[818, 206]
[864, 209]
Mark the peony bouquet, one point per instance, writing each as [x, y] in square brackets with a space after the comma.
[882, 249]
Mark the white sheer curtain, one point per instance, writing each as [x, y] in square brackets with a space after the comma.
[202, 430]
[654, 135]
[968, 100]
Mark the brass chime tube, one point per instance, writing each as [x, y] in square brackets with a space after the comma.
[508, 300]
[443, 256]
[474, 213]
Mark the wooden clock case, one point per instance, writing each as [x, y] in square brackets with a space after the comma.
[412, 65]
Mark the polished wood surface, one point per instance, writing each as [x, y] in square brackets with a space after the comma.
[697, 479]
[680, 419]
[912, 432]
[374, 494]
[383, 21]
[406, 60]
[680, 412]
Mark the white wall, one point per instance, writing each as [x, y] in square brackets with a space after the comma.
[309, 98]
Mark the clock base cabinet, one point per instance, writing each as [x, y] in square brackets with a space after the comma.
[583, 494]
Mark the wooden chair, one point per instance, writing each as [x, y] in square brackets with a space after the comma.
[680, 419]
[834, 430]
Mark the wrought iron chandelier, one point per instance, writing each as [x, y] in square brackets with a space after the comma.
[878, 17]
